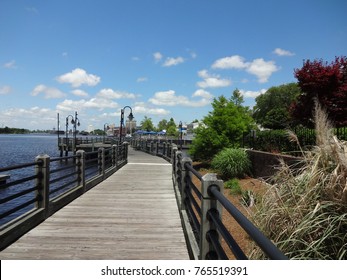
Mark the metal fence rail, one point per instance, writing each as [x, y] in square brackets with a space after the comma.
[201, 209]
[55, 182]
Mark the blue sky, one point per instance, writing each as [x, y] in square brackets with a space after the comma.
[163, 58]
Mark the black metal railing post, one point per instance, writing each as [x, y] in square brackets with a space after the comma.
[42, 182]
[207, 229]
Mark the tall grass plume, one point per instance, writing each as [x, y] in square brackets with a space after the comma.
[304, 212]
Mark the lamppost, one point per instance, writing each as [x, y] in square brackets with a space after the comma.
[130, 117]
[77, 123]
[105, 131]
[180, 126]
[66, 133]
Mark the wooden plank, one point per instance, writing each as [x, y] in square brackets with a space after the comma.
[131, 215]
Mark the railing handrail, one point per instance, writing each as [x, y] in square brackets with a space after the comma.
[208, 223]
[46, 205]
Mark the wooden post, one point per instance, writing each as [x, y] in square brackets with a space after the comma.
[114, 155]
[174, 165]
[42, 182]
[125, 151]
[185, 175]
[80, 168]
[101, 161]
[207, 203]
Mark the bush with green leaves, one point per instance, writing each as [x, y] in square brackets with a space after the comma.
[234, 186]
[231, 163]
[221, 128]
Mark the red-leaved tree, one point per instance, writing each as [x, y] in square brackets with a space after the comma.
[328, 84]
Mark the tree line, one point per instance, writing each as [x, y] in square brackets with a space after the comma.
[281, 107]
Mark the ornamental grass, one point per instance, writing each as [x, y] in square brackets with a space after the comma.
[304, 211]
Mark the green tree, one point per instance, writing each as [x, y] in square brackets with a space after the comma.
[223, 127]
[171, 128]
[147, 124]
[272, 107]
[162, 125]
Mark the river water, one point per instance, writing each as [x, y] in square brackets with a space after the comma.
[20, 149]
[23, 148]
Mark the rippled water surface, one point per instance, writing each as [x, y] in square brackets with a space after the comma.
[23, 148]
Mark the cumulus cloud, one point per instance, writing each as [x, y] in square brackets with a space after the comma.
[252, 94]
[108, 93]
[34, 117]
[259, 67]
[212, 81]
[48, 92]
[282, 52]
[143, 108]
[93, 103]
[79, 92]
[171, 61]
[230, 62]
[5, 90]
[142, 79]
[157, 57]
[10, 65]
[169, 98]
[78, 77]
[262, 69]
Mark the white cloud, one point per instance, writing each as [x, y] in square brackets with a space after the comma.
[93, 103]
[252, 94]
[157, 57]
[69, 105]
[78, 77]
[282, 52]
[34, 117]
[5, 90]
[49, 92]
[171, 61]
[211, 81]
[142, 79]
[202, 93]
[142, 108]
[10, 65]
[230, 62]
[135, 58]
[262, 69]
[169, 98]
[259, 67]
[108, 93]
[79, 92]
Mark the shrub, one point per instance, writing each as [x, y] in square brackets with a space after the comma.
[234, 186]
[231, 163]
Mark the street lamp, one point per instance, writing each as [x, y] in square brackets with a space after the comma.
[130, 117]
[76, 123]
[66, 133]
[105, 131]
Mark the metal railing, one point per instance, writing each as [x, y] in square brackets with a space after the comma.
[50, 184]
[201, 209]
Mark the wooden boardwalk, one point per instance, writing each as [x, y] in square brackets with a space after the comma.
[131, 215]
